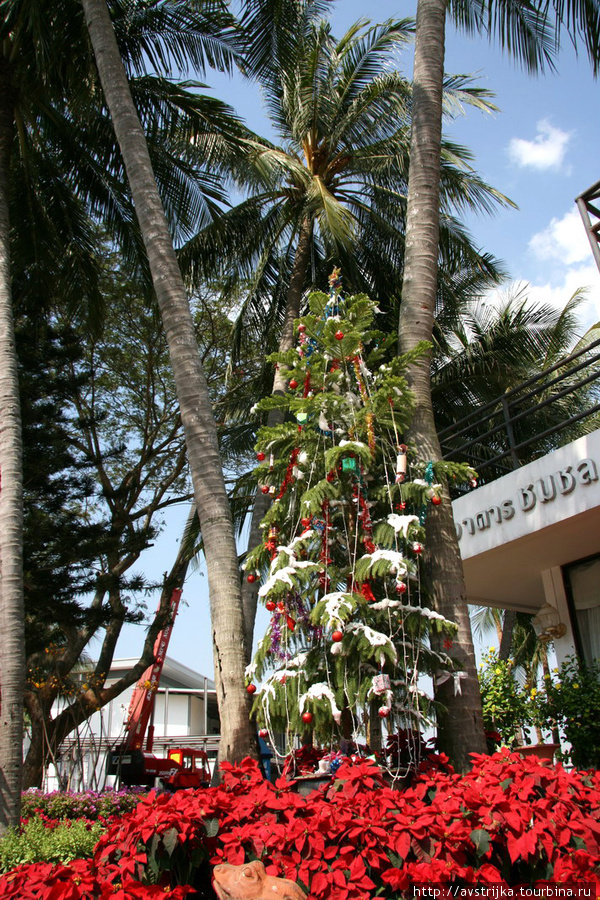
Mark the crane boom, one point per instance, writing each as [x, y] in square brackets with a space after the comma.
[142, 699]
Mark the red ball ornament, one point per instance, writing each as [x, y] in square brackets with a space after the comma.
[265, 488]
[263, 733]
[307, 718]
[417, 547]
[330, 476]
[270, 605]
[383, 712]
[260, 456]
[251, 688]
[293, 384]
[339, 335]
[436, 500]
[400, 587]
[337, 636]
[251, 578]
[301, 327]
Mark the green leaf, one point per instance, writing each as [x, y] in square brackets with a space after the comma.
[170, 840]
[211, 827]
[481, 839]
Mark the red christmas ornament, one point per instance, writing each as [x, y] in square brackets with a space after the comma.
[251, 688]
[307, 718]
[337, 636]
[260, 456]
[265, 488]
[383, 712]
[281, 606]
[271, 545]
[436, 500]
[293, 384]
[263, 733]
[400, 587]
[330, 476]
[417, 547]
[251, 578]
[339, 335]
[306, 521]
[301, 327]
[270, 605]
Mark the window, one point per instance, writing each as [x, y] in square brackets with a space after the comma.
[582, 580]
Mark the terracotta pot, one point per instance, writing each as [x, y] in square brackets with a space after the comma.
[542, 751]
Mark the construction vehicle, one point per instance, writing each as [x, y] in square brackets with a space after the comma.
[184, 767]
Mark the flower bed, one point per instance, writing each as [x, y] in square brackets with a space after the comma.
[511, 820]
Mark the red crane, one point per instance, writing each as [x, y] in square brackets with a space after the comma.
[184, 767]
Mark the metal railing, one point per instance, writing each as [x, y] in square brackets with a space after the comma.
[541, 414]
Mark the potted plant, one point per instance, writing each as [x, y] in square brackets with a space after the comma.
[571, 701]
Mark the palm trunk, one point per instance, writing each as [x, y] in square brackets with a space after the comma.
[286, 342]
[460, 727]
[12, 644]
[237, 737]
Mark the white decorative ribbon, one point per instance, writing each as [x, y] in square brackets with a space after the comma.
[456, 677]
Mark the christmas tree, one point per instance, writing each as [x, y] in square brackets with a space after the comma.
[341, 559]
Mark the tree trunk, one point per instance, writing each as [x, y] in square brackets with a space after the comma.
[508, 627]
[12, 644]
[237, 734]
[460, 727]
[286, 342]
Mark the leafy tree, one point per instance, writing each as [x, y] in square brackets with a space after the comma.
[237, 738]
[339, 560]
[110, 409]
[531, 31]
[57, 159]
[331, 188]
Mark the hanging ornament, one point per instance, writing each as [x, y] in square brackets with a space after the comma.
[383, 712]
[401, 463]
[349, 464]
[265, 488]
[290, 623]
[293, 384]
[251, 688]
[307, 718]
[400, 587]
[381, 684]
[301, 327]
[270, 605]
[337, 636]
[263, 733]
[339, 335]
[306, 521]
[436, 499]
[417, 547]
[251, 578]
[260, 456]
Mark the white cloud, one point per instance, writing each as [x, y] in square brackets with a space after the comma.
[564, 241]
[546, 151]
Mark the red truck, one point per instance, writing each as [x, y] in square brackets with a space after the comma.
[184, 767]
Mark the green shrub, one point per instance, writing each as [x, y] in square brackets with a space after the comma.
[89, 805]
[572, 702]
[37, 842]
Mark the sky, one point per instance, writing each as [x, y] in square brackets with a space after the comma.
[540, 149]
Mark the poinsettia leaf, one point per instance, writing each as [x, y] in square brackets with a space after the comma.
[481, 839]
[211, 826]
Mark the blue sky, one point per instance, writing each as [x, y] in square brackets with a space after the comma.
[541, 150]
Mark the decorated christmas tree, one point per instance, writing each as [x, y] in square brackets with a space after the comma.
[341, 558]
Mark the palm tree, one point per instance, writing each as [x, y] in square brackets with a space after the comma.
[331, 189]
[530, 32]
[210, 495]
[58, 163]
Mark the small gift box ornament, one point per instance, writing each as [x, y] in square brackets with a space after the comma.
[381, 684]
